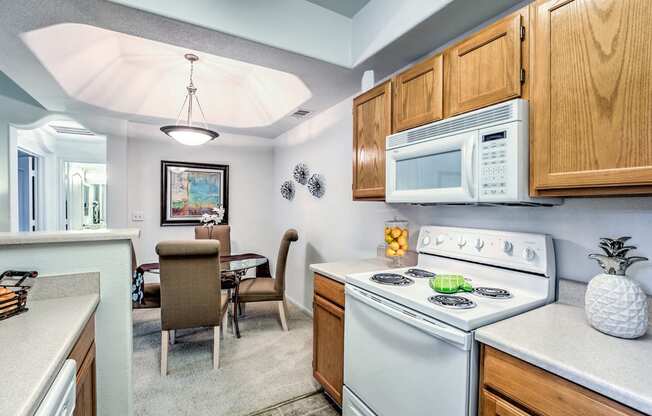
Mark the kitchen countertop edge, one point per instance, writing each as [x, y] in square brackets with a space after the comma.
[44, 237]
[568, 372]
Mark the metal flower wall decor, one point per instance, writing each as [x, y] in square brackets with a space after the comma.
[301, 173]
[287, 190]
[316, 185]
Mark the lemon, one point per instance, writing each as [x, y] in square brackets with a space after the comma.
[402, 241]
[404, 233]
[390, 253]
[388, 239]
[400, 252]
[394, 245]
[396, 232]
[388, 230]
[405, 247]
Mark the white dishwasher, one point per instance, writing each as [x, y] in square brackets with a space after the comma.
[60, 398]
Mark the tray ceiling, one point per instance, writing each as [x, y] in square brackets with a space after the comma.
[132, 75]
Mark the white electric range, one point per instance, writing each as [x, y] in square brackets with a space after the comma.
[409, 350]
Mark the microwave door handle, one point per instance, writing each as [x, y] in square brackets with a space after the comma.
[470, 169]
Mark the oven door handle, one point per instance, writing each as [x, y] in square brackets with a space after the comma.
[442, 332]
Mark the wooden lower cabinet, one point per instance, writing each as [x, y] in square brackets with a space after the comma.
[512, 387]
[84, 355]
[328, 336]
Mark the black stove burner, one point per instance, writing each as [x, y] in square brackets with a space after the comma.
[453, 302]
[420, 273]
[492, 292]
[392, 279]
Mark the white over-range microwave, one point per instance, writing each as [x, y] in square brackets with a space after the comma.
[481, 157]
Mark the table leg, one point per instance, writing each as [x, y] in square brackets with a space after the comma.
[236, 302]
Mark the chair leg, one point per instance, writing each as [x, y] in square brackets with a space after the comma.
[282, 312]
[173, 336]
[216, 347]
[164, 352]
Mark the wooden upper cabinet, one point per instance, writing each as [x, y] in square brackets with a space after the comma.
[591, 107]
[372, 123]
[485, 68]
[418, 94]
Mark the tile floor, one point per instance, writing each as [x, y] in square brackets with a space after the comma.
[312, 405]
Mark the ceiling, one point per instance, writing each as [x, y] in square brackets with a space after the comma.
[136, 76]
[71, 74]
[347, 8]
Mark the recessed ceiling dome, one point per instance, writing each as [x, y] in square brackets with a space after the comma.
[137, 76]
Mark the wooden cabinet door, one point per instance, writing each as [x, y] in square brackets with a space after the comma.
[418, 94]
[328, 346]
[492, 405]
[372, 123]
[591, 118]
[486, 68]
[86, 388]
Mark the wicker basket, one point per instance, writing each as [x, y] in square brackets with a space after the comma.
[15, 302]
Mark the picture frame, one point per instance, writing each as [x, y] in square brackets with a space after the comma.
[189, 190]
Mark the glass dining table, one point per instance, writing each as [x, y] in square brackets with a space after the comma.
[232, 269]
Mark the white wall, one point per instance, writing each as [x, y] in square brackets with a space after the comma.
[337, 228]
[251, 188]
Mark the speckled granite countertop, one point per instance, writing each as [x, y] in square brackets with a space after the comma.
[33, 347]
[339, 270]
[557, 338]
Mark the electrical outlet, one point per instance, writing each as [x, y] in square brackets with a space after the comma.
[137, 216]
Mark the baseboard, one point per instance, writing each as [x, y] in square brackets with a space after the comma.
[298, 305]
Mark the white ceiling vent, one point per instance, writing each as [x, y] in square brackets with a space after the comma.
[300, 113]
[80, 131]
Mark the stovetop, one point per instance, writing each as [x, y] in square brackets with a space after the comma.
[495, 297]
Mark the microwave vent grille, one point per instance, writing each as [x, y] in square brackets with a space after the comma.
[490, 116]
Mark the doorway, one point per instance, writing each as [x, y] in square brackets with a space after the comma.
[27, 191]
[85, 196]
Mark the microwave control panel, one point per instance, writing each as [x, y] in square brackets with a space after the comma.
[497, 179]
[493, 164]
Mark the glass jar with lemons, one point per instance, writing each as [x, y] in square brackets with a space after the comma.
[396, 240]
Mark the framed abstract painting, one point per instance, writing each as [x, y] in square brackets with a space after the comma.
[189, 190]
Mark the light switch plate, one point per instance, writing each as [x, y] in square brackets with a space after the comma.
[137, 216]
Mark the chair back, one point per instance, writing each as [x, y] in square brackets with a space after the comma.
[222, 233]
[290, 236]
[190, 283]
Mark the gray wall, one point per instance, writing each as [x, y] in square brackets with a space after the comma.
[336, 228]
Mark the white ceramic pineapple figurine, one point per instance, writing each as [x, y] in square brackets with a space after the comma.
[614, 303]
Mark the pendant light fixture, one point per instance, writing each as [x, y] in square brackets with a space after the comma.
[186, 133]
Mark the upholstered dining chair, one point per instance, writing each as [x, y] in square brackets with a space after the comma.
[222, 233]
[264, 289]
[191, 291]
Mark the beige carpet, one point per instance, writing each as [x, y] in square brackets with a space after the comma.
[264, 367]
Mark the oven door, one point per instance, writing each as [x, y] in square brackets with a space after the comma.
[441, 170]
[399, 362]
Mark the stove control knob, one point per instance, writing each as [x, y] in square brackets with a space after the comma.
[479, 244]
[528, 254]
[425, 241]
[461, 242]
[440, 239]
[508, 247]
